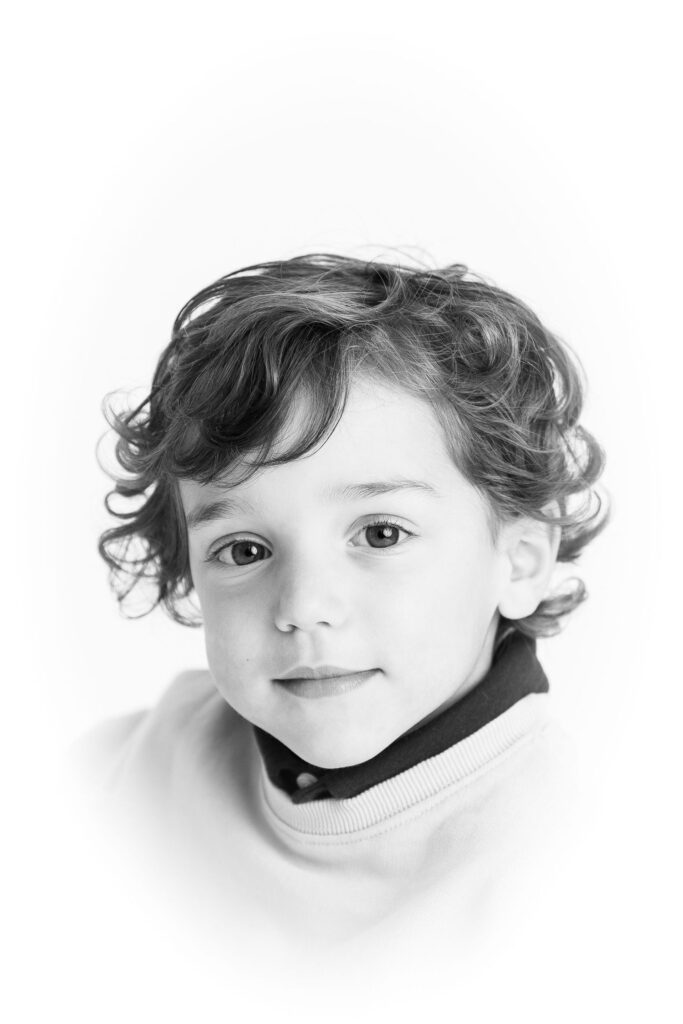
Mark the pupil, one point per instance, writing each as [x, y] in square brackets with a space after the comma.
[386, 535]
[245, 551]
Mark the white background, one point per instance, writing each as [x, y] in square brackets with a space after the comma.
[152, 148]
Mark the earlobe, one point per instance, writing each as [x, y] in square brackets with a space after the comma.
[531, 554]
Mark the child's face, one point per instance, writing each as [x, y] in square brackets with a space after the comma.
[310, 581]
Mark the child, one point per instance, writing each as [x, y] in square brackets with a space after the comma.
[367, 474]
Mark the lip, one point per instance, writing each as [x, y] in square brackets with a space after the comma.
[319, 672]
[325, 685]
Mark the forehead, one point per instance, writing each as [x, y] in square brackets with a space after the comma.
[384, 434]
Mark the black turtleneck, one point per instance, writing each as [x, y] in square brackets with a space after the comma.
[514, 673]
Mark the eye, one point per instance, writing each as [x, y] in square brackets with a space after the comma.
[383, 533]
[241, 552]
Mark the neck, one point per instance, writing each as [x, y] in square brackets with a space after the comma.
[481, 666]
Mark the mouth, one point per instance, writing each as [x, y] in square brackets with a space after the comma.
[319, 672]
[326, 681]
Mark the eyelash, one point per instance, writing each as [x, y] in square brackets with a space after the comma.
[382, 521]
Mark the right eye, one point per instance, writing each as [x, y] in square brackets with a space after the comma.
[240, 552]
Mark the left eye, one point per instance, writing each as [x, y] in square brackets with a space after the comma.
[383, 535]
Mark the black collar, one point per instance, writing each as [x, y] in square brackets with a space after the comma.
[514, 673]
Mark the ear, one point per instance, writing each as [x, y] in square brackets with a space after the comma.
[530, 550]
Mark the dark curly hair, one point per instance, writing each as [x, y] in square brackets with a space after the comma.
[507, 392]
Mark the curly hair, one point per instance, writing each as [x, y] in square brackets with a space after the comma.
[507, 392]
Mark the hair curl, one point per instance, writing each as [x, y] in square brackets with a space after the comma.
[507, 392]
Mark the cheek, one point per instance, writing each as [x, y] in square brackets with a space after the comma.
[447, 604]
[233, 632]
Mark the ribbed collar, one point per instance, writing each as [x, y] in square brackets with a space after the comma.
[514, 673]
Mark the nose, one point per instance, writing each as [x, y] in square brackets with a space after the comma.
[308, 595]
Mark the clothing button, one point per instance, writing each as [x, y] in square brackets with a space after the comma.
[305, 779]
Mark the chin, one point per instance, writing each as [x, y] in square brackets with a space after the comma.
[337, 754]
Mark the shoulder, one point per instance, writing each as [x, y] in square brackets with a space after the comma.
[527, 802]
[98, 757]
[542, 763]
[95, 748]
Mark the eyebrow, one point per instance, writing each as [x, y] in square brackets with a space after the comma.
[222, 508]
